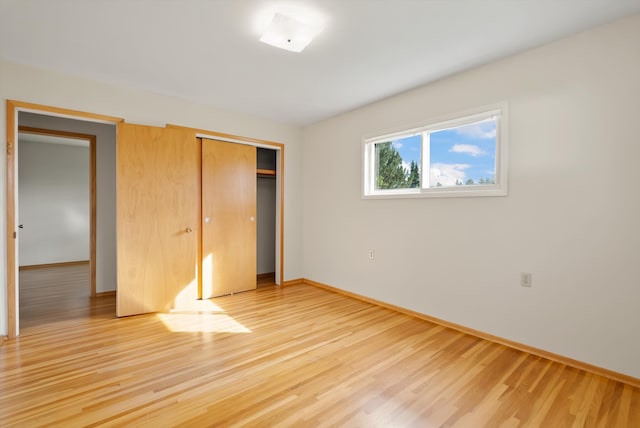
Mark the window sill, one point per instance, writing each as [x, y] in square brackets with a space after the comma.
[439, 193]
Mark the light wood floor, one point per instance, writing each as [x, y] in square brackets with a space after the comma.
[57, 294]
[291, 356]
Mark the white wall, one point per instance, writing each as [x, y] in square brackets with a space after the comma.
[106, 269]
[29, 84]
[54, 203]
[571, 216]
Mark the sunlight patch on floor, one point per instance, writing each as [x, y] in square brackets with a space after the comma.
[202, 323]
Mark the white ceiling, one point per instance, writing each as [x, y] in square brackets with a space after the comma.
[208, 51]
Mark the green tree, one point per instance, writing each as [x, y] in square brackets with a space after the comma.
[391, 174]
[470, 182]
[490, 180]
[413, 180]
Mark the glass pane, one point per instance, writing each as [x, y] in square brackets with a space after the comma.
[463, 156]
[398, 163]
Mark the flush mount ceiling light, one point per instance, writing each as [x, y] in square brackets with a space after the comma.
[288, 33]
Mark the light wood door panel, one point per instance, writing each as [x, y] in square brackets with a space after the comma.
[158, 202]
[229, 218]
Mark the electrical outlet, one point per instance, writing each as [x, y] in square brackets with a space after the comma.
[372, 254]
[525, 279]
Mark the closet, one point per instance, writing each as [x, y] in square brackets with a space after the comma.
[186, 217]
[266, 209]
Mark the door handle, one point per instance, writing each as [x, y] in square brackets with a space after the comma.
[21, 226]
[188, 230]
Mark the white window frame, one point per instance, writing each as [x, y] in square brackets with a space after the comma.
[497, 111]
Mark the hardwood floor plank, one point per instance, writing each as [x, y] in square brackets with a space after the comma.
[291, 356]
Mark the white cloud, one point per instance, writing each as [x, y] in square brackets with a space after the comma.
[482, 130]
[397, 145]
[406, 165]
[447, 173]
[469, 149]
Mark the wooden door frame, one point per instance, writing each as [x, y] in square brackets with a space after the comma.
[12, 109]
[92, 189]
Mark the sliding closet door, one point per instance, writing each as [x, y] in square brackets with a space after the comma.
[228, 218]
[158, 203]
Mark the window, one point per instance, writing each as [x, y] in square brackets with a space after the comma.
[463, 156]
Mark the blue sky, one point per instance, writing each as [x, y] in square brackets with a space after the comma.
[456, 154]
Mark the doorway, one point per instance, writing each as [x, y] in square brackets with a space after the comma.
[56, 201]
[48, 122]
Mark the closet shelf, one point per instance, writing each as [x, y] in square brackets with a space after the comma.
[268, 172]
